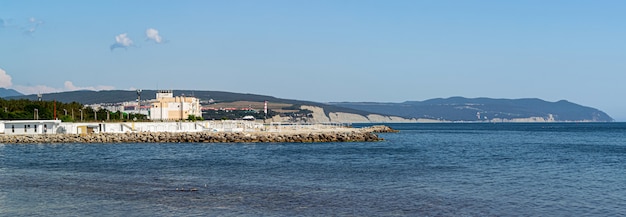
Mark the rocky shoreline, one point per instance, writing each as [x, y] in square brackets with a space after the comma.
[344, 135]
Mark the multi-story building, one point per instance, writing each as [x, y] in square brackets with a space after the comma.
[168, 107]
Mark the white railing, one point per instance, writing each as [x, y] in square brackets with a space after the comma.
[199, 126]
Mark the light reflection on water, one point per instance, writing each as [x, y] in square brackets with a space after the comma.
[425, 170]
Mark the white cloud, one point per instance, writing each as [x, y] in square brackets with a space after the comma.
[35, 22]
[30, 30]
[28, 27]
[5, 82]
[122, 41]
[67, 86]
[153, 34]
[36, 89]
[5, 79]
[32, 26]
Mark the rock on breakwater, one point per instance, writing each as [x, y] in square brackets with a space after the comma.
[380, 129]
[343, 135]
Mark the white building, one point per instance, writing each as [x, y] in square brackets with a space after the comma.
[168, 107]
[134, 127]
[127, 107]
[31, 126]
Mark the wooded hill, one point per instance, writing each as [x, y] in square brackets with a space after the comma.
[114, 96]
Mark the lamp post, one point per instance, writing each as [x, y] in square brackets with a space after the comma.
[36, 114]
[65, 110]
[95, 115]
[81, 114]
[138, 100]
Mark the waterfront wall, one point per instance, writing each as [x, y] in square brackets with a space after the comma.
[340, 135]
[199, 126]
[136, 127]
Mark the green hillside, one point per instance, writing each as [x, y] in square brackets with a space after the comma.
[114, 96]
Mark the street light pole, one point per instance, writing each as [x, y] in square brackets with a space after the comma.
[138, 100]
[81, 114]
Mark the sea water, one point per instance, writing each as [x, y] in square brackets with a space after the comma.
[565, 169]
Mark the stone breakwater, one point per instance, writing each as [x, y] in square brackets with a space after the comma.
[380, 129]
[343, 135]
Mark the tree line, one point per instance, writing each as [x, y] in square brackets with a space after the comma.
[24, 109]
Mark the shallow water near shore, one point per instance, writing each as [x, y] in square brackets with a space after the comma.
[424, 170]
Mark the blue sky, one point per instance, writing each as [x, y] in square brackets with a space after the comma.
[347, 50]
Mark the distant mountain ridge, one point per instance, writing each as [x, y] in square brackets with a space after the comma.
[484, 109]
[9, 92]
[453, 109]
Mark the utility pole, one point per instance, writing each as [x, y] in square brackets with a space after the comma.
[138, 101]
[265, 109]
[182, 104]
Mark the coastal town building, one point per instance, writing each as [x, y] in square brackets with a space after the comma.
[126, 107]
[168, 107]
[165, 107]
[31, 126]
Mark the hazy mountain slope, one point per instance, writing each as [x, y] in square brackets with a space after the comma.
[464, 109]
[9, 92]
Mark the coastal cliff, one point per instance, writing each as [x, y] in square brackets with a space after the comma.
[319, 116]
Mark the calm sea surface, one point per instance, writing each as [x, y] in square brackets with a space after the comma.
[424, 170]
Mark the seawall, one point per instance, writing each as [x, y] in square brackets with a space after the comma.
[342, 135]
